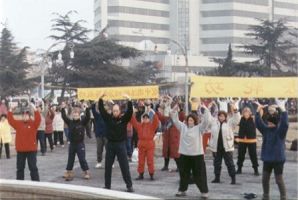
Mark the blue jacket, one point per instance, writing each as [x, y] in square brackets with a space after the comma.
[100, 126]
[273, 147]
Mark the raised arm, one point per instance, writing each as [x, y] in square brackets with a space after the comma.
[206, 120]
[94, 112]
[261, 126]
[174, 116]
[105, 115]
[127, 116]
[11, 120]
[284, 122]
[63, 114]
[136, 125]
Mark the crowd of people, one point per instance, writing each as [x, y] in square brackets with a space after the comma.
[120, 127]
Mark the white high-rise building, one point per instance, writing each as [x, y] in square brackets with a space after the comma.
[143, 24]
[204, 27]
[225, 22]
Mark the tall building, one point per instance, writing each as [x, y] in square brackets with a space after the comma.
[203, 27]
[184, 25]
[143, 24]
[225, 22]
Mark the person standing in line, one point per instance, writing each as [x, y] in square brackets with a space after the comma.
[273, 147]
[76, 137]
[171, 134]
[116, 146]
[5, 135]
[58, 125]
[146, 132]
[41, 131]
[247, 139]
[129, 147]
[26, 144]
[222, 142]
[49, 128]
[100, 134]
[191, 151]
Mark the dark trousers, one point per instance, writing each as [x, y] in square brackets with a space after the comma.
[88, 129]
[58, 135]
[135, 140]
[196, 164]
[228, 158]
[78, 149]
[66, 132]
[41, 138]
[101, 143]
[117, 149]
[21, 161]
[252, 150]
[49, 136]
[7, 150]
[129, 147]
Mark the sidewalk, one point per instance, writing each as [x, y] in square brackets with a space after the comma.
[52, 166]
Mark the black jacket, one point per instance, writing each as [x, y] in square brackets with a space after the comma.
[116, 127]
[76, 127]
[247, 128]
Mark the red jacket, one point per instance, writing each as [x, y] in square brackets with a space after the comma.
[146, 131]
[25, 132]
[49, 122]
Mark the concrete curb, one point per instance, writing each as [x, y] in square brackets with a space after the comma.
[45, 190]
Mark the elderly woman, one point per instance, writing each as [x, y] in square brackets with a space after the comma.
[191, 151]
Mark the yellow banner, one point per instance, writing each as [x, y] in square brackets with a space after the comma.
[208, 86]
[116, 93]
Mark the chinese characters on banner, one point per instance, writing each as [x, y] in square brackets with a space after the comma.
[116, 93]
[208, 86]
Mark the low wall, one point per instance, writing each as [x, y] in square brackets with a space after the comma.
[14, 189]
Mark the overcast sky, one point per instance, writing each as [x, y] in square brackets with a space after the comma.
[30, 20]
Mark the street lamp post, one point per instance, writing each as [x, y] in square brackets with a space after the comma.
[46, 60]
[184, 52]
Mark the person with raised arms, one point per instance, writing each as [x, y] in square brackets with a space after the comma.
[116, 134]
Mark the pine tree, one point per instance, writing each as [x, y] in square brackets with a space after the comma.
[13, 66]
[272, 44]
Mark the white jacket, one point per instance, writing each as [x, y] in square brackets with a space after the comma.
[191, 141]
[227, 132]
[58, 123]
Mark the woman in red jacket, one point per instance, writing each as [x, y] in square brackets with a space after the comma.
[26, 144]
[49, 127]
[170, 139]
[146, 132]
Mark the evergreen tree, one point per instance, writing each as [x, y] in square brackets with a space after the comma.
[272, 44]
[13, 66]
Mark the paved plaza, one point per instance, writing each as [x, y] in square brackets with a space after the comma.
[51, 168]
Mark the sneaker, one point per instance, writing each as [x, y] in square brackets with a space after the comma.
[43, 154]
[113, 166]
[204, 196]
[151, 177]
[68, 175]
[62, 145]
[98, 165]
[86, 175]
[140, 177]
[165, 169]
[130, 189]
[68, 142]
[180, 194]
